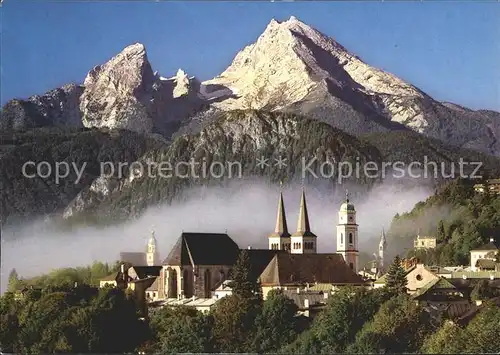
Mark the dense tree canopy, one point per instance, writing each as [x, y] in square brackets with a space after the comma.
[89, 275]
[69, 319]
[399, 326]
[481, 335]
[460, 218]
[181, 330]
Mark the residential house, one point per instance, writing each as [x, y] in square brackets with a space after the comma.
[486, 251]
[493, 185]
[425, 242]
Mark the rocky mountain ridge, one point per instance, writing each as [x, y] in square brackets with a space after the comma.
[294, 90]
[294, 66]
[291, 67]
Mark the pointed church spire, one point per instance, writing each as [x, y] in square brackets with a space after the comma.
[346, 196]
[303, 222]
[383, 239]
[281, 226]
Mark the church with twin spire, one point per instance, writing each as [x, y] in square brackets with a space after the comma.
[200, 263]
[304, 241]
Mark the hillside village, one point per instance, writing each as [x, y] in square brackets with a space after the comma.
[197, 271]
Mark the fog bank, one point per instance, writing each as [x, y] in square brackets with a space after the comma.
[245, 209]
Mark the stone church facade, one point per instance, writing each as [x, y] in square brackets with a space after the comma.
[197, 264]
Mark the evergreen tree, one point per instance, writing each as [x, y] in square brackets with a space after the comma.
[441, 234]
[396, 281]
[234, 316]
[243, 283]
[13, 281]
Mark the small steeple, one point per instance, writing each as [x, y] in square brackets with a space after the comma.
[346, 196]
[152, 239]
[383, 239]
[303, 222]
[152, 256]
[281, 226]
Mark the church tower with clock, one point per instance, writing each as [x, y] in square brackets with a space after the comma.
[347, 234]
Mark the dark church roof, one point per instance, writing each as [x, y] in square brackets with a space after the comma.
[260, 258]
[203, 249]
[147, 271]
[292, 269]
[488, 246]
[134, 258]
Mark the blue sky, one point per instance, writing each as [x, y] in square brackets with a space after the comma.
[451, 50]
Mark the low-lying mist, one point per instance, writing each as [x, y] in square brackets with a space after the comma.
[246, 210]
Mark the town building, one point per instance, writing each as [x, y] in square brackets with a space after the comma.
[417, 276]
[425, 242]
[493, 185]
[486, 251]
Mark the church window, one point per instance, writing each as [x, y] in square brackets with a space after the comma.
[351, 265]
[351, 239]
[341, 238]
[208, 283]
[172, 289]
[350, 218]
[187, 283]
[419, 277]
[300, 245]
